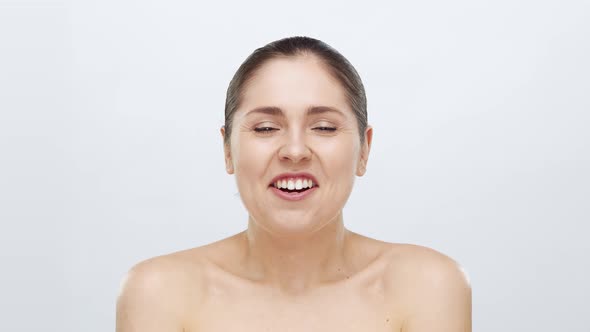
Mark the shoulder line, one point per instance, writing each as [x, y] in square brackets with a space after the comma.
[420, 277]
[176, 278]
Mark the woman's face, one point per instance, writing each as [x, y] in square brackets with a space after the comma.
[295, 129]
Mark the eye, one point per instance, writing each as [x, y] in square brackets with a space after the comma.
[265, 130]
[325, 128]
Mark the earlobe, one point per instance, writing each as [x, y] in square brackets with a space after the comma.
[361, 169]
[229, 167]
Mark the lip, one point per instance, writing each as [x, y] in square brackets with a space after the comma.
[294, 196]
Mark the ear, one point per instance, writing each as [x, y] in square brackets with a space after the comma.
[365, 150]
[229, 165]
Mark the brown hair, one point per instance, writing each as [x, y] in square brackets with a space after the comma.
[337, 64]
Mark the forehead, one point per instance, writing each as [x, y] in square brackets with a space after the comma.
[294, 84]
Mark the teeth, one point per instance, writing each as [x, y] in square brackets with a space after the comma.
[298, 184]
[293, 184]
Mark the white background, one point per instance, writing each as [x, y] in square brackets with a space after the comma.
[110, 146]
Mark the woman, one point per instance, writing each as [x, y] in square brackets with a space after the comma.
[295, 137]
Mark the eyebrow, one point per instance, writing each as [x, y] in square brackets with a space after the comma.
[313, 110]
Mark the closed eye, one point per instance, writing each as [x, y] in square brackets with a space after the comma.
[325, 128]
[265, 130]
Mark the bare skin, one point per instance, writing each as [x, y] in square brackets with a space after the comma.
[377, 287]
[296, 267]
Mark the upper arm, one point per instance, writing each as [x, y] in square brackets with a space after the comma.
[440, 299]
[147, 302]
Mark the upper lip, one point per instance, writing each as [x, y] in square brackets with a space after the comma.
[294, 175]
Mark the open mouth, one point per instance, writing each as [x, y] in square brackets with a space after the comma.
[294, 185]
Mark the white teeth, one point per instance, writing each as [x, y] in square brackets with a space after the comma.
[293, 184]
[298, 184]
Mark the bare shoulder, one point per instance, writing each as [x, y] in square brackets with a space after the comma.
[156, 293]
[433, 287]
[415, 261]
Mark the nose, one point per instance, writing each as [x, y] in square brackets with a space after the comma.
[294, 148]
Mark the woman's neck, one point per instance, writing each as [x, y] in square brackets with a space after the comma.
[297, 263]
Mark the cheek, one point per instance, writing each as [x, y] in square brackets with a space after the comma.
[340, 157]
[251, 159]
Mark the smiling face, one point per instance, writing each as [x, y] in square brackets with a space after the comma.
[294, 124]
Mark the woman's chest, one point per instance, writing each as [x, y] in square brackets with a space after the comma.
[343, 311]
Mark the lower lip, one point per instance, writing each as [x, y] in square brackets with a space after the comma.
[294, 196]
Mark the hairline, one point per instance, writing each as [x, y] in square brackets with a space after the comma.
[298, 54]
